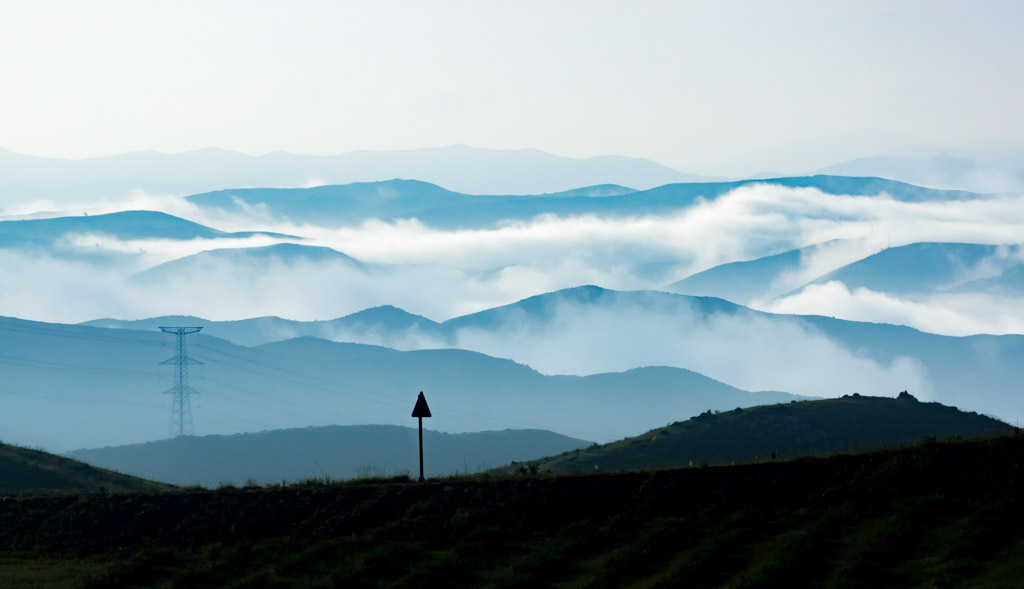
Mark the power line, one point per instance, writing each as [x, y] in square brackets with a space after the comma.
[182, 422]
[181, 405]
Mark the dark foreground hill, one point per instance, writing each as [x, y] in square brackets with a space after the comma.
[850, 423]
[30, 472]
[934, 515]
[335, 452]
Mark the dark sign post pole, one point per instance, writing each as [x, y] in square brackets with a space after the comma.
[420, 419]
[420, 411]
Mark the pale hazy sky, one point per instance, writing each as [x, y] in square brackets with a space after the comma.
[708, 87]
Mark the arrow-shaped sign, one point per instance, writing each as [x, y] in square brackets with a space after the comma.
[420, 411]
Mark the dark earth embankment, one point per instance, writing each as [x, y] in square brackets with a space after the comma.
[939, 514]
[34, 472]
[853, 423]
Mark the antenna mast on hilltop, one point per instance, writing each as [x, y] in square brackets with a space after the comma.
[181, 406]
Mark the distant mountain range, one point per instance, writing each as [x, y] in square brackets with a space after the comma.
[922, 268]
[54, 237]
[99, 387]
[978, 172]
[979, 372]
[249, 261]
[393, 325]
[911, 270]
[763, 278]
[334, 452]
[350, 204]
[850, 424]
[122, 225]
[403, 199]
[101, 238]
[456, 167]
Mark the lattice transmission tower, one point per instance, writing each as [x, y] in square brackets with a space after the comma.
[181, 406]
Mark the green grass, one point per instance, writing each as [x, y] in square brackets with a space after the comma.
[50, 571]
[781, 431]
[940, 514]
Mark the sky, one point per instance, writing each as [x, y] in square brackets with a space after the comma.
[716, 88]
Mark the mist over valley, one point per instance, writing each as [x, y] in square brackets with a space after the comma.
[511, 294]
[560, 294]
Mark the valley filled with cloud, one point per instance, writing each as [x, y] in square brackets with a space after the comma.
[790, 285]
[445, 272]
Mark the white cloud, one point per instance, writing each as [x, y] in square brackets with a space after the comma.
[444, 273]
[748, 351]
[956, 314]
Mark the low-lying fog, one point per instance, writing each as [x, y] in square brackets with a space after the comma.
[446, 273]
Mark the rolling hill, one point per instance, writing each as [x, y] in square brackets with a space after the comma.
[938, 514]
[124, 225]
[350, 204]
[921, 268]
[766, 277]
[937, 171]
[850, 423]
[385, 319]
[24, 471]
[909, 270]
[459, 167]
[333, 452]
[1009, 283]
[251, 261]
[914, 268]
[86, 378]
[571, 330]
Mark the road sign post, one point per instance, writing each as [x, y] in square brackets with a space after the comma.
[420, 411]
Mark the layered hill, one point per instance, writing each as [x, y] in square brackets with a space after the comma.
[463, 168]
[250, 262]
[125, 225]
[747, 281]
[351, 204]
[850, 423]
[923, 268]
[24, 471]
[909, 270]
[83, 379]
[574, 330]
[333, 452]
[942, 514]
[939, 171]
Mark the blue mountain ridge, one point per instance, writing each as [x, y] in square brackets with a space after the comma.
[257, 258]
[1010, 283]
[338, 452]
[937, 171]
[436, 206]
[122, 225]
[914, 268]
[979, 372]
[460, 167]
[84, 378]
[743, 281]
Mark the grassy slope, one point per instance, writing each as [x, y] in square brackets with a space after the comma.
[25, 471]
[850, 423]
[937, 514]
[340, 452]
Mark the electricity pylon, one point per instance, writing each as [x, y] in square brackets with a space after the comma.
[181, 406]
